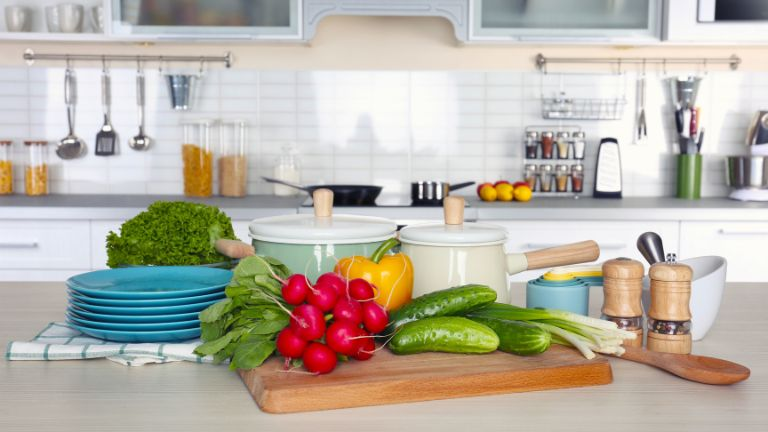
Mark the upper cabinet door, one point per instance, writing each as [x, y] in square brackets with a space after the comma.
[206, 19]
[565, 20]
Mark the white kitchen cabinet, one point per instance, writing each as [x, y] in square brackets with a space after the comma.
[98, 246]
[698, 21]
[740, 243]
[568, 21]
[614, 238]
[43, 250]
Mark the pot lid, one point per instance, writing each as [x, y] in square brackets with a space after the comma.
[454, 231]
[322, 227]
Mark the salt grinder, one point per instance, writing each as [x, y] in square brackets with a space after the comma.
[622, 292]
[669, 317]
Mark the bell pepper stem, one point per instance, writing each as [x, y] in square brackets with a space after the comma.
[379, 253]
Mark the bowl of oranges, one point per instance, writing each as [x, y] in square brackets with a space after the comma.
[504, 191]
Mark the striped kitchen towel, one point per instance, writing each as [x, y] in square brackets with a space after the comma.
[59, 341]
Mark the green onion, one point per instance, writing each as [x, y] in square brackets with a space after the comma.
[586, 334]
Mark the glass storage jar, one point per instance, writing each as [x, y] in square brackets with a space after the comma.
[577, 178]
[287, 169]
[531, 144]
[547, 144]
[197, 158]
[232, 161]
[36, 171]
[579, 144]
[545, 178]
[6, 168]
[561, 178]
[563, 142]
[530, 175]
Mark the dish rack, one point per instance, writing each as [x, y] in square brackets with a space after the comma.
[582, 109]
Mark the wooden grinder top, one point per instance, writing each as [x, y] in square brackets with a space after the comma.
[623, 288]
[670, 292]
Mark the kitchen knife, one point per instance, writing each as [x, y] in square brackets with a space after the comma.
[694, 125]
[700, 141]
[679, 120]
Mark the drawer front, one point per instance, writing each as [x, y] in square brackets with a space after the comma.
[614, 238]
[741, 243]
[61, 244]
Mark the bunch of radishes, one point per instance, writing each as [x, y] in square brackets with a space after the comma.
[355, 318]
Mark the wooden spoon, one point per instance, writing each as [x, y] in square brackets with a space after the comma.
[707, 370]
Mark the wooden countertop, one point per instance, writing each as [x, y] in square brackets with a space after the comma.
[98, 395]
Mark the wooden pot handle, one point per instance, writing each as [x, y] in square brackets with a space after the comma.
[322, 201]
[574, 253]
[234, 248]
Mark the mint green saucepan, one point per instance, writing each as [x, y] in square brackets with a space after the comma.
[312, 244]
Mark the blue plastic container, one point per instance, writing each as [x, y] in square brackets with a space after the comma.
[571, 295]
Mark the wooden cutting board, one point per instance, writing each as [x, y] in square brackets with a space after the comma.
[391, 379]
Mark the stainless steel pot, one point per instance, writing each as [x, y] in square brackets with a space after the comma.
[747, 172]
[432, 193]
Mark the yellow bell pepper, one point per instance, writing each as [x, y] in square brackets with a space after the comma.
[392, 275]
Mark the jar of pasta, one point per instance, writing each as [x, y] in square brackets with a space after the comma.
[232, 161]
[6, 168]
[197, 158]
[36, 171]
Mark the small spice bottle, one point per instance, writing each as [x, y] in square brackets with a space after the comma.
[622, 294]
[6, 168]
[547, 144]
[36, 171]
[197, 158]
[561, 178]
[579, 144]
[545, 178]
[531, 144]
[232, 161]
[563, 142]
[577, 178]
[669, 317]
[530, 175]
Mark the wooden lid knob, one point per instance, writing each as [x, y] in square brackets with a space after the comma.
[671, 272]
[453, 210]
[322, 201]
[623, 268]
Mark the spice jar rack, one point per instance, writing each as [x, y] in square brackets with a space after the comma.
[553, 163]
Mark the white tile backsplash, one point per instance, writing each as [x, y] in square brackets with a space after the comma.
[386, 127]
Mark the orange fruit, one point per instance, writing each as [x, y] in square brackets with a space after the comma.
[488, 193]
[504, 192]
[523, 193]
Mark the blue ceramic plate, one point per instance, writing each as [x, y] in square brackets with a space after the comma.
[146, 303]
[140, 336]
[74, 319]
[160, 310]
[150, 319]
[137, 283]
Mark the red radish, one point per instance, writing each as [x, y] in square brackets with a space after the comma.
[361, 289]
[333, 280]
[319, 359]
[308, 322]
[322, 296]
[341, 337]
[367, 347]
[289, 344]
[375, 317]
[348, 310]
[295, 289]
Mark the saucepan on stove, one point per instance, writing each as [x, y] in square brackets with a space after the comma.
[432, 193]
[343, 195]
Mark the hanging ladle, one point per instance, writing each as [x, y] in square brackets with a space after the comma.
[70, 147]
[141, 141]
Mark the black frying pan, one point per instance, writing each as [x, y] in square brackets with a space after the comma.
[343, 195]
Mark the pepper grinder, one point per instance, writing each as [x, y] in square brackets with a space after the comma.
[622, 293]
[669, 317]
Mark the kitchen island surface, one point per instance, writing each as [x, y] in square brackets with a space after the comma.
[99, 395]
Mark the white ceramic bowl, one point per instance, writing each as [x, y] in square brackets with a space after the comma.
[706, 292]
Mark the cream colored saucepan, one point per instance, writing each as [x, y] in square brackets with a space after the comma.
[458, 253]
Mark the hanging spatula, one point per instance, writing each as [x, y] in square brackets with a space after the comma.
[106, 139]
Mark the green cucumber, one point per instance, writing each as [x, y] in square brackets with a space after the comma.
[517, 337]
[444, 334]
[452, 301]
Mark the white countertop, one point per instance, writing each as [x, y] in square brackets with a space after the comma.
[119, 207]
[98, 395]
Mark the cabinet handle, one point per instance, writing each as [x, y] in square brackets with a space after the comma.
[19, 245]
[606, 246]
[725, 231]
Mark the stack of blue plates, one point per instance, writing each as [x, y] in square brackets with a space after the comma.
[144, 304]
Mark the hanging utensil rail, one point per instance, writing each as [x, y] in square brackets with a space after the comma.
[541, 61]
[30, 56]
